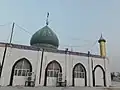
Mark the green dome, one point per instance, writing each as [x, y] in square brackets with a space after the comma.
[45, 37]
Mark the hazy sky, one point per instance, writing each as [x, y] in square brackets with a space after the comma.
[76, 23]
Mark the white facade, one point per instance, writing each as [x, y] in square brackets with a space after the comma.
[95, 69]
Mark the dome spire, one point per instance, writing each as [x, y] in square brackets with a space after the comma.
[47, 19]
[101, 39]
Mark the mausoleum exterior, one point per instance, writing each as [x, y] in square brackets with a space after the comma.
[43, 64]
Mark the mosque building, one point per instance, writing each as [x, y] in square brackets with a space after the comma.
[43, 64]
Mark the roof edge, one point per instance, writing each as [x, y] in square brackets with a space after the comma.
[26, 47]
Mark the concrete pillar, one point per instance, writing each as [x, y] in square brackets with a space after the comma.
[90, 82]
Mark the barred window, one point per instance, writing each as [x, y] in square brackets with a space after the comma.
[79, 71]
[53, 70]
[22, 68]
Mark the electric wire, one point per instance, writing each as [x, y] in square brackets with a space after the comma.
[92, 45]
[70, 46]
[1, 25]
[85, 46]
[21, 28]
[5, 24]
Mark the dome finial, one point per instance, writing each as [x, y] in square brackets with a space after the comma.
[47, 19]
[101, 36]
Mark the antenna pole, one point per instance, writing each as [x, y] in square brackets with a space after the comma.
[11, 36]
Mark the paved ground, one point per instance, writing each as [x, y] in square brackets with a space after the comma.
[115, 86]
[57, 88]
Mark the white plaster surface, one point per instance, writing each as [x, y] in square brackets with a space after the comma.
[67, 63]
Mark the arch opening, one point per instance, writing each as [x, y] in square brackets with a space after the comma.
[79, 75]
[51, 73]
[19, 72]
[99, 76]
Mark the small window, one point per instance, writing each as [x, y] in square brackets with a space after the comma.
[78, 75]
[51, 73]
[75, 74]
[19, 72]
[47, 73]
[15, 72]
[82, 75]
[55, 74]
[23, 72]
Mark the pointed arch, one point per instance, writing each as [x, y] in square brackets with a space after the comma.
[104, 79]
[0, 69]
[54, 61]
[73, 75]
[12, 72]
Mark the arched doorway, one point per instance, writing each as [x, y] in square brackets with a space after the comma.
[51, 73]
[99, 76]
[79, 75]
[19, 72]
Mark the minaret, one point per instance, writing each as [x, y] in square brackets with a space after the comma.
[102, 44]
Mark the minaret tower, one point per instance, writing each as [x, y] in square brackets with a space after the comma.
[102, 43]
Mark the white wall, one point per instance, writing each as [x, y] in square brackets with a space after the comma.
[105, 65]
[1, 53]
[12, 55]
[48, 57]
[71, 61]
